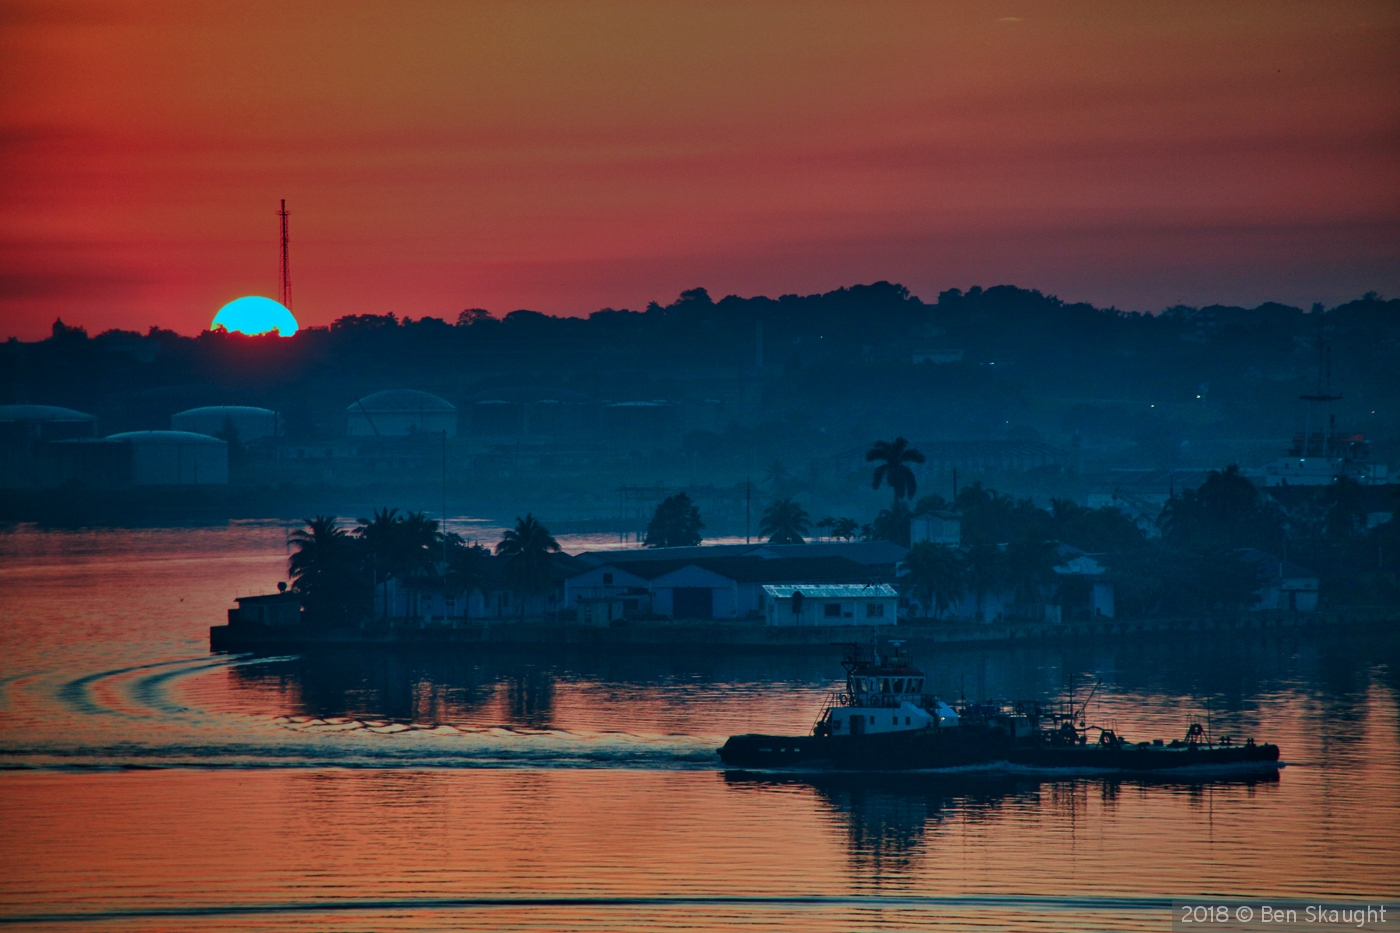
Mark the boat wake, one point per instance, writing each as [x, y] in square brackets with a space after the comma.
[138, 716]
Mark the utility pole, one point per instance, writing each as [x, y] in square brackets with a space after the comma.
[748, 498]
[444, 495]
[286, 278]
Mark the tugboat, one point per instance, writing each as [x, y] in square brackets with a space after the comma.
[885, 721]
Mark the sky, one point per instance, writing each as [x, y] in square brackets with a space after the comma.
[566, 157]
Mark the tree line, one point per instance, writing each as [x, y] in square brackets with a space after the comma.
[337, 570]
[1192, 566]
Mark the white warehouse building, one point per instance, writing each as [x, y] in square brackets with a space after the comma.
[832, 604]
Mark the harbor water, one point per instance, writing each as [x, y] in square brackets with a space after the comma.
[148, 784]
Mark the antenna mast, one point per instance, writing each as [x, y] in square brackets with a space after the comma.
[1324, 395]
[286, 280]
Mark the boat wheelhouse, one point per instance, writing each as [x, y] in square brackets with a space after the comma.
[884, 693]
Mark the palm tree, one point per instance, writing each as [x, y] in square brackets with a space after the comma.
[894, 458]
[1030, 561]
[325, 569]
[421, 546]
[986, 571]
[468, 567]
[526, 548]
[892, 524]
[845, 528]
[785, 522]
[935, 576]
[383, 540]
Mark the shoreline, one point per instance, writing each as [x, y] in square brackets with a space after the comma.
[756, 636]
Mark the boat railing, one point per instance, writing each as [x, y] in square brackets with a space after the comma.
[835, 698]
[885, 700]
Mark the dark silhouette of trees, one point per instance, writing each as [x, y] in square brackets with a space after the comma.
[327, 571]
[927, 505]
[1172, 579]
[1226, 511]
[892, 524]
[469, 567]
[986, 571]
[676, 523]
[1029, 564]
[894, 458]
[988, 515]
[383, 544]
[1345, 502]
[1097, 531]
[421, 545]
[527, 548]
[776, 475]
[785, 522]
[844, 528]
[403, 547]
[935, 575]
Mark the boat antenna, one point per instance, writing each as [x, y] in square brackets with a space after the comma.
[1085, 707]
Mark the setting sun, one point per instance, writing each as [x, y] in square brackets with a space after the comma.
[255, 315]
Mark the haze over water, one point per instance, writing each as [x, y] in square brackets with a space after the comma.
[150, 785]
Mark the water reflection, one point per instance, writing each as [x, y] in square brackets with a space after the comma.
[890, 820]
[1147, 689]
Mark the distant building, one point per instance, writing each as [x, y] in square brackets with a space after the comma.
[721, 587]
[174, 458]
[250, 423]
[811, 604]
[425, 600]
[277, 609]
[879, 555]
[531, 411]
[141, 458]
[1075, 563]
[1286, 586]
[400, 412]
[25, 429]
[942, 527]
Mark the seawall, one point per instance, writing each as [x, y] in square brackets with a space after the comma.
[757, 636]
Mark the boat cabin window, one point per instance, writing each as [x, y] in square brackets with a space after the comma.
[899, 685]
[884, 685]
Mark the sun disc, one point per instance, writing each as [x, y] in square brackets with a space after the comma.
[254, 314]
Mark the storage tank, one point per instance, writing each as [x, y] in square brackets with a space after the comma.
[24, 432]
[174, 458]
[400, 412]
[250, 423]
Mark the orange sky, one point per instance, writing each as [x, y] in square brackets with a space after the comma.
[566, 157]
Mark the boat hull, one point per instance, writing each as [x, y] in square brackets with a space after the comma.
[969, 748]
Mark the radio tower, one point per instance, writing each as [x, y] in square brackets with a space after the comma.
[286, 296]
